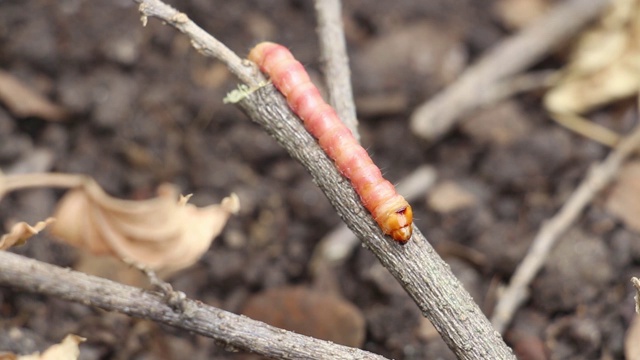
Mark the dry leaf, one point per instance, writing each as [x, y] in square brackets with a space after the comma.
[605, 65]
[624, 199]
[23, 102]
[22, 231]
[163, 233]
[517, 14]
[66, 350]
[632, 340]
[448, 197]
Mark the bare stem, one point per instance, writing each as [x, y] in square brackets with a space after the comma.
[421, 272]
[235, 331]
[201, 40]
[336, 62]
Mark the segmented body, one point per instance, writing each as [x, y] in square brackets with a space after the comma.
[389, 209]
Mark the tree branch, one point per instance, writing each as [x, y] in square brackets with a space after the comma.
[233, 330]
[336, 62]
[421, 272]
[202, 41]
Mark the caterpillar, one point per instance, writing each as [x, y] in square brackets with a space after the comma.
[391, 211]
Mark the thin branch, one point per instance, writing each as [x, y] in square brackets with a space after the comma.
[336, 62]
[434, 118]
[636, 284]
[425, 276]
[235, 331]
[421, 272]
[598, 177]
[202, 41]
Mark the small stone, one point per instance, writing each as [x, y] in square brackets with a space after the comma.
[309, 312]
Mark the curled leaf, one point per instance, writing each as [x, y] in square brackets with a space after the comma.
[66, 350]
[23, 101]
[22, 231]
[165, 233]
[605, 65]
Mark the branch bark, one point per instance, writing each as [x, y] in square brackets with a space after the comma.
[234, 331]
[420, 271]
[336, 62]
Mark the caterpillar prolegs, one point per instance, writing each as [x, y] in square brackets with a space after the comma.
[389, 209]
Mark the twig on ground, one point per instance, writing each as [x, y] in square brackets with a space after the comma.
[233, 330]
[336, 62]
[598, 177]
[434, 118]
[421, 272]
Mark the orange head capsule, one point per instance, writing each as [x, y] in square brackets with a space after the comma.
[400, 225]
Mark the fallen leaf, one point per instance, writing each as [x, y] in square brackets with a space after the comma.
[517, 14]
[23, 101]
[605, 65]
[448, 196]
[21, 232]
[624, 199]
[165, 233]
[66, 350]
[632, 340]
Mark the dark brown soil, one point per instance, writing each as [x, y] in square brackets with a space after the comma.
[147, 109]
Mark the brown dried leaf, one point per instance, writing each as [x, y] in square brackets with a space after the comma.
[66, 350]
[517, 14]
[605, 65]
[449, 196]
[23, 101]
[163, 233]
[624, 199]
[632, 340]
[21, 232]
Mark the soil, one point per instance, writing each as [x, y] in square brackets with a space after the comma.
[146, 109]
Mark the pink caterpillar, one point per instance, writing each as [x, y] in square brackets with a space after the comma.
[389, 209]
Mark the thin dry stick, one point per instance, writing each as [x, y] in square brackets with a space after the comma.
[336, 62]
[434, 118]
[425, 276]
[636, 284]
[201, 40]
[597, 178]
[234, 331]
[418, 268]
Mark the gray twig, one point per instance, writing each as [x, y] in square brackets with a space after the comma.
[336, 62]
[235, 331]
[421, 272]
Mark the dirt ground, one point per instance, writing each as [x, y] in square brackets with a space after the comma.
[145, 109]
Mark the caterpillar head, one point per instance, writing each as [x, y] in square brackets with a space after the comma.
[398, 225]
